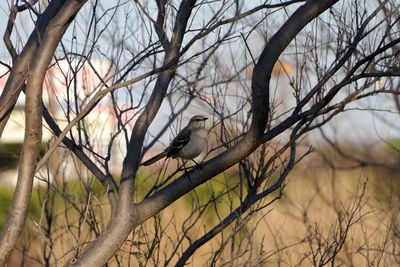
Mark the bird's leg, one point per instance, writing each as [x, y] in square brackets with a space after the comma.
[184, 165]
[187, 173]
[197, 164]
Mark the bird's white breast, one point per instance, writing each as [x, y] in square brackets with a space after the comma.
[195, 145]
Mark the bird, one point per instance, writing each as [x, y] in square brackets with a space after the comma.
[188, 144]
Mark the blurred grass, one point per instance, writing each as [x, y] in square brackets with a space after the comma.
[393, 148]
[223, 187]
[300, 189]
[9, 155]
[75, 190]
[6, 195]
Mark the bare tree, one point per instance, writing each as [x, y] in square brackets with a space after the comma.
[178, 57]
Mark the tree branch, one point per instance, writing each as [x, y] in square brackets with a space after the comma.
[33, 127]
[260, 87]
[21, 64]
[120, 224]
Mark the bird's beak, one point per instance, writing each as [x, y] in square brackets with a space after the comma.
[205, 118]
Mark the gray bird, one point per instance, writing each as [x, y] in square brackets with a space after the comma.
[188, 144]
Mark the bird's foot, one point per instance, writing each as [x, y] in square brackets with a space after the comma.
[200, 166]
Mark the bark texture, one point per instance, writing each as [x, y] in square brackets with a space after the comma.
[33, 125]
[128, 215]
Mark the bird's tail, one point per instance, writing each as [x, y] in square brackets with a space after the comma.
[154, 159]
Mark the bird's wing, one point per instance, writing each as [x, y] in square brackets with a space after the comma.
[178, 142]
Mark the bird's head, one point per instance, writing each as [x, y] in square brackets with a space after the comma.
[198, 121]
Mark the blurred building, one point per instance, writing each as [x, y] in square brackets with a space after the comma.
[82, 84]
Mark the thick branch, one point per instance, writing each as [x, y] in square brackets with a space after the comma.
[33, 128]
[120, 226]
[19, 72]
[300, 18]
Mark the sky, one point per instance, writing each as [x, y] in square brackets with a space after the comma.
[355, 125]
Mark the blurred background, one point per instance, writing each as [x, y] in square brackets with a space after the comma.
[337, 203]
